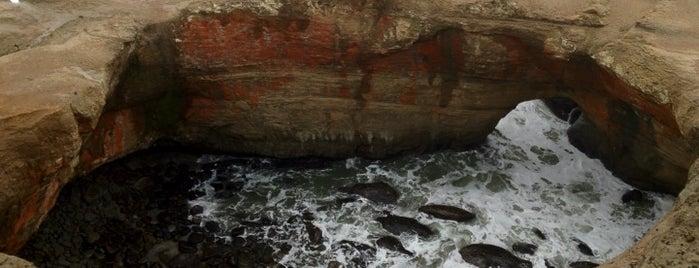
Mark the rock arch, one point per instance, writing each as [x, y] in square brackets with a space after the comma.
[348, 78]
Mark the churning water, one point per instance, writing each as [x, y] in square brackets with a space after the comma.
[527, 175]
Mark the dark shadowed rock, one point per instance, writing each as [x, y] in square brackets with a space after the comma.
[447, 212]
[379, 192]
[560, 107]
[335, 264]
[632, 196]
[315, 235]
[583, 247]
[574, 115]
[238, 231]
[196, 210]
[583, 264]
[485, 256]
[392, 243]
[524, 248]
[548, 264]
[539, 233]
[345, 200]
[212, 226]
[398, 225]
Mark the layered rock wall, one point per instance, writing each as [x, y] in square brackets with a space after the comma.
[341, 78]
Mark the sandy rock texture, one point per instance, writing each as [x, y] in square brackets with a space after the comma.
[83, 83]
[10, 261]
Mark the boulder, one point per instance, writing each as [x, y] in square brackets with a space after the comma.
[398, 225]
[583, 247]
[485, 256]
[447, 212]
[392, 243]
[632, 196]
[524, 248]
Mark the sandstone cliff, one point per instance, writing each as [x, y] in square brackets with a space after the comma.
[85, 83]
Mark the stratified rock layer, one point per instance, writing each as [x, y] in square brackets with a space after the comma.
[87, 83]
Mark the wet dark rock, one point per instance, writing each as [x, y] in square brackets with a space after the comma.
[125, 221]
[239, 242]
[398, 225]
[308, 216]
[378, 192]
[196, 220]
[315, 235]
[548, 264]
[196, 210]
[560, 107]
[583, 264]
[212, 226]
[335, 264]
[583, 247]
[574, 115]
[345, 200]
[392, 243]
[447, 212]
[186, 247]
[196, 238]
[524, 248]
[237, 231]
[632, 196]
[539, 233]
[485, 256]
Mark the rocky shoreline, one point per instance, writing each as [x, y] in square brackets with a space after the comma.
[134, 213]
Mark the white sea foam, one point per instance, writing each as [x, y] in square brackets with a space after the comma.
[527, 176]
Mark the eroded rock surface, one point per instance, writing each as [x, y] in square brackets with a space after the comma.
[84, 83]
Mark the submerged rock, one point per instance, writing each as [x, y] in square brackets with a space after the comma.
[315, 235]
[379, 192]
[632, 196]
[583, 264]
[524, 248]
[584, 248]
[398, 225]
[392, 243]
[485, 256]
[539, 233]
[447, 212]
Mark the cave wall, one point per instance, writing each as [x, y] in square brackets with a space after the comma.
[297, 85]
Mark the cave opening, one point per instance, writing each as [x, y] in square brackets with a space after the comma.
[529, 189]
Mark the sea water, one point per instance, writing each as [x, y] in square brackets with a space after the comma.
[527, 175]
